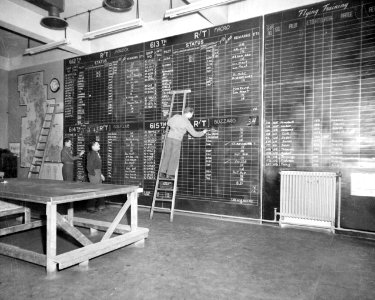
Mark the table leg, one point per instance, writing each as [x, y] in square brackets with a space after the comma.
[133, 210]
[84, 264]
[70, 213]
[93, 231]
[51, 237]
[139, 244]
[27, 215]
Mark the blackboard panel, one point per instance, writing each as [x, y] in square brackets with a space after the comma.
[357, 211]
[121, 98]
[318, 98]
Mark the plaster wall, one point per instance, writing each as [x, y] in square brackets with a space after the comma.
[3, 109]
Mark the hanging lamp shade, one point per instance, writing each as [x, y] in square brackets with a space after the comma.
[118, 5]
[53, 21]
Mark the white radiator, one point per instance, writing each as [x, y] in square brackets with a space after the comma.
[308, 199]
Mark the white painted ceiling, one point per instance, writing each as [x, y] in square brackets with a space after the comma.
[20, 22]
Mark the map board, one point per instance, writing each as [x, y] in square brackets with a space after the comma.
[33, 94]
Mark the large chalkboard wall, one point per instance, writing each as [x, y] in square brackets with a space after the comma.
[122, 97]
[301, 81]
[319, 98]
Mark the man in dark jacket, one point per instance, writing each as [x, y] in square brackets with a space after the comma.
[94, 169]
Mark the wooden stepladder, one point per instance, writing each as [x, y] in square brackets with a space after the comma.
[40, 149]
[165, 189]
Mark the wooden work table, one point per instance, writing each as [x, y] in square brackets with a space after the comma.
[54, 192]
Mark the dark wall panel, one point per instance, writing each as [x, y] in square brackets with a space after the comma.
[318, 74]
[122, 97]
[319, 99]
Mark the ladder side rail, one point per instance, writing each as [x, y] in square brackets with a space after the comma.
[35, 157]
[162, 155]
[157, 178]
[171, 210]
[176, 173]
[47, 138]
[174, 193]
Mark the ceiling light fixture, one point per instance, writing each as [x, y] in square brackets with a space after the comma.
[46, 47]
[53, 21]
[136, 23]
[195, 7]
[118, 5]
[133, 24]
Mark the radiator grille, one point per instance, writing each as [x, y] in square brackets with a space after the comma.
[308, 196]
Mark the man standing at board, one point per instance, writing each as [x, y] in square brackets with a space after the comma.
[94, 169]
[67, 158]
[178, 125]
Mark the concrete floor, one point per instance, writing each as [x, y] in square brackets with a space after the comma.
[197, 258]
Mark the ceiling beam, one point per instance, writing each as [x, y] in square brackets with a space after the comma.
[29, 26]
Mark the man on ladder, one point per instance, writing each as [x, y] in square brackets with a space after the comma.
[178, 125]
[166, 180]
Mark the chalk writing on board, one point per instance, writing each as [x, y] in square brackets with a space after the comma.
[318, 84]
[122, 98]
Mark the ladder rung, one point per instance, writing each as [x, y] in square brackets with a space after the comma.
[165, 189]
[165, 200]
[165, 186]
[181, 91]
[164, 209]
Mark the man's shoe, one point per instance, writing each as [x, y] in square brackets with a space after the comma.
[170, 177]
